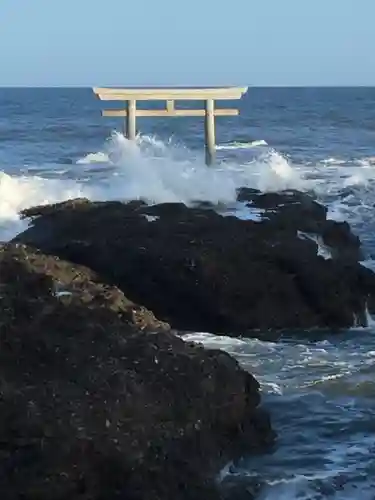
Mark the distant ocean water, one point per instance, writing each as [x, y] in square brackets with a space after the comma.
[55, 145]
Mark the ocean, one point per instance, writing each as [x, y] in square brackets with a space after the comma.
[55, 145]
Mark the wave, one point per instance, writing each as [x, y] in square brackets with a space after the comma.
[159, 171]
[320, 394]
[148, 169]
[242, 145]
[93, 158]
[20, 192]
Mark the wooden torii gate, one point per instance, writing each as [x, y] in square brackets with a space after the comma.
[131, 95]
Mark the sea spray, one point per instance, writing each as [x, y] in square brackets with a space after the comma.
[148, 169]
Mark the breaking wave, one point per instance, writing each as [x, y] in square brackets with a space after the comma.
[20, 192]
[162, 171]
[148, 169]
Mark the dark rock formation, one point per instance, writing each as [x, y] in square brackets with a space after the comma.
[298, 211]
[48, 276]
[199, 270]
[92, 407]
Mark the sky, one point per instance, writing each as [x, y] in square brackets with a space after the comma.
[187, 42]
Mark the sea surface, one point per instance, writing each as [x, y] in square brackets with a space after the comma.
[55, 145]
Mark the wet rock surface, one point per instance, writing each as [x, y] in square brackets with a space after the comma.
[198, 270]
[96, 403]
[300, 212]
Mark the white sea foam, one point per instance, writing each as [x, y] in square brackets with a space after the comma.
[93, 158]
[20, 192]
[243, 211]
[148, 169]
[322, 249]
[332, 161]
[151, 218]
[159, 171]
[241, 145]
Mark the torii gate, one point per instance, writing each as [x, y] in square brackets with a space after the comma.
[170, 95]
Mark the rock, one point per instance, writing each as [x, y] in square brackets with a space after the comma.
[201, 271]
[343, 244]
[71, 284]
[93, 407]
[300, 212]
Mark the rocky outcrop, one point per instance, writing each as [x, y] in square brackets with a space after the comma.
[199, 270]
[300, 213]
[99, 400]
[37, 278]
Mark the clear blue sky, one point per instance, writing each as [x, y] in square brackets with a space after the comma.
[195, 42]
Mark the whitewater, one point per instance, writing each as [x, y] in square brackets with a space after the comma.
[319, 391]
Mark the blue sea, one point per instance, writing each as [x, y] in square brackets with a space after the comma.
[55, 145]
